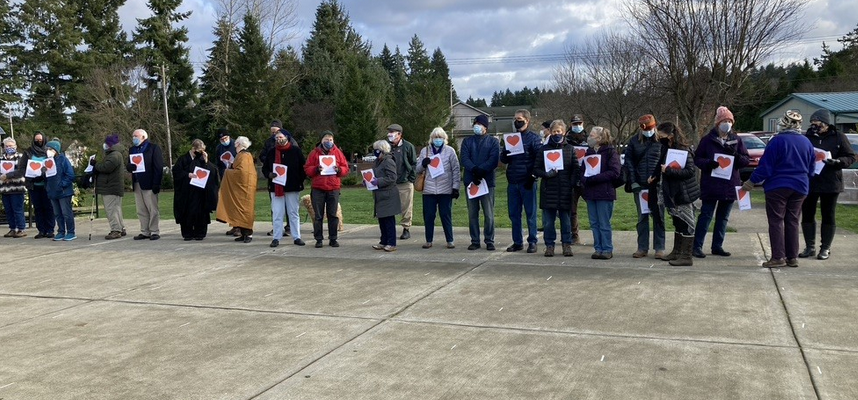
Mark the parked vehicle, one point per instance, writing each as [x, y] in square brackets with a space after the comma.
[853, 140]
[755, 147]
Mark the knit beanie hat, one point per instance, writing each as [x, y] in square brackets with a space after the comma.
[111, 140]
[276, 124]
[791, 121]
[221, 132]
[723, 113]
[326, 133]
[482, 120]
[647, 122]
[821, 115]
[54, 145]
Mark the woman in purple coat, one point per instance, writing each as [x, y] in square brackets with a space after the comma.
[717, 194]
[599, 191]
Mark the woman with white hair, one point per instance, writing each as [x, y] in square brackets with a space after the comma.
[13, 187]
[386, 197]
[238, 192]
[441, 185]
[784, 170]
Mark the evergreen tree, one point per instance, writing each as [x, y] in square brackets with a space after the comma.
[10, 50]
[476, 102]
[442, 73]
[250, 92]
[426, 104]
[358, 107]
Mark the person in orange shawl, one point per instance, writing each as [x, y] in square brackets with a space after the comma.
[238, 192]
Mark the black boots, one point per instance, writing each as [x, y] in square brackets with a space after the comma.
[683, 258]
[808, 230]
[827, 238]
[677, 239]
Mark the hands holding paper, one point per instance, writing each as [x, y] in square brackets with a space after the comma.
[748, 185]
[833, 162]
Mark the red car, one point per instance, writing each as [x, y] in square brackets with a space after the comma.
[755, 147]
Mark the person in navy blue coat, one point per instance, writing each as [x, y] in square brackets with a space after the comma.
[60, 188]
[147, 184]
[480, 154]
[521, 188]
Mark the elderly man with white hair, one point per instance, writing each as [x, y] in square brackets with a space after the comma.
[146, 165]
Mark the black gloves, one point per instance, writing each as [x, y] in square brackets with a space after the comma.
[425, 162]
[455, 194]
[272, 175]
[476, 181]
[832, 162]
[714, 164]
[528, 182]
[156, 189]
[478, 173]
[131, 167]
[506, 153]
[551, 173]
[92, 162]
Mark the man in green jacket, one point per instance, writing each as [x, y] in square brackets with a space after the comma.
[110, 184]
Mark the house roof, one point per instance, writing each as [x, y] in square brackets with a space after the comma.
[836, 102]
[507, 112]
[459, 103]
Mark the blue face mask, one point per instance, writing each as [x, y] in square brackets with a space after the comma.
[328, 145]
[556, 139]
[136, 141]
[478, 129]
[377, 153]
[577, 128]
[438, 142]
[226, 143]
[10, 150]
[648, 133]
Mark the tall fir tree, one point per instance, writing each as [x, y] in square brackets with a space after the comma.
[361, 103]
[11, 45]
[426, 103]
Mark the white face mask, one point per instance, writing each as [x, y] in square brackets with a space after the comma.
[106, 147]
[648, 133]
[391, 137]
[51, 153]
[725, 127]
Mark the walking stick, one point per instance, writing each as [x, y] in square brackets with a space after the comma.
[92, 209]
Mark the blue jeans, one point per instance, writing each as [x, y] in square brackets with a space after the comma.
[485, 202]
[443, 204]
[14, 205]
[44, 212]
[550, 235]
[721, 209]
[600, 213]
[285, 207]
[518, 196]
[64, 216]
[656, 212]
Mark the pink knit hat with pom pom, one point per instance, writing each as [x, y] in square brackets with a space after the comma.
[722, 114]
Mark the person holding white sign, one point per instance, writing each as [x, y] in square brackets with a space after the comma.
[386, 198]
[641, 160]
[325, 192]
[521, 188]
[825, 187]
[600, 192]
[578, 139]
[717, 194]
[193, 205]
[110, 184]
[13, 188]
[784, 171]
[36, 192]
[60, 188]
[480, 153]
[439, 189]
[285, 159]
[147, 184]
[677, 176]
[555, 192]
[225, 151]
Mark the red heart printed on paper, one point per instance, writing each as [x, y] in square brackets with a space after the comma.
[49, 164]
[280, 170]
[645, 196]
[820, 156]
[35, 166]
[674, 165]
[330, 160]
[593, 161]
[201, 173]
[580, 153]
[367, 176]
[554, 156]
[137, 159]
[7, 166]
[513, 140]
[435, 162]
[723, 162]
[226, 156]
[742, 194]
[474, 189]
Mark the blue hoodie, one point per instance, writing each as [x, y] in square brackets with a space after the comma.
[787, 163]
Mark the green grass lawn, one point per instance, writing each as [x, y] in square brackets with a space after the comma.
[357, 206]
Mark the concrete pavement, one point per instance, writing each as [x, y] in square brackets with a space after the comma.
[215, 319]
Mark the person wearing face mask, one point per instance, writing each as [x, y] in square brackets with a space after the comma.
[110, 183]
[284, 198]
[642, 154]
[480, 153]
[38, 195]
[521, 189]
[386, 198]
[439, 192]
[193, 205]
[224, 145]
[60, 188]
[679, 189]
[717, 194]
[13, 188]
[406, 164]
[325, 189]
[825, 187]
[147, 184]
[237, 195]
[576, 137]
[599, 191]
[555, 196]
[545, 132]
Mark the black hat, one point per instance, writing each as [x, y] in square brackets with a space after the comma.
[221, 132]
[547, 124]
[276, 124]
[482, 120]
[576, 119]
[326, 133]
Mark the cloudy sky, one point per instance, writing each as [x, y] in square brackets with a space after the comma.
[492, 45]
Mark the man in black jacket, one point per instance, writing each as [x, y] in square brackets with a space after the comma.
[146, 166]
[642, 155]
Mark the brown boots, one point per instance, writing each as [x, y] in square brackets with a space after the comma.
[682, 251]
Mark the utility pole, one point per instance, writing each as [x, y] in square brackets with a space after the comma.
[167, 114]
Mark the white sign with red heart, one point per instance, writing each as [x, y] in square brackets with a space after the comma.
[34, 169]
[368, 176]
[328, 164]
[6, 166]
[725, 166]
[592, 165]
[821, 156]
[744, 199]
[50, 167]
[280, 171]
[643, 200]
[475, 191]
[227, 158]
[137, 159]
[553, 160]
[436, 167]
[201, 177]
[512, 142]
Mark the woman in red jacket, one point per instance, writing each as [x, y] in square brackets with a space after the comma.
[326, 165]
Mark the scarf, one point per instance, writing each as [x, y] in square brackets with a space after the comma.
[278, 151]
[38, 151]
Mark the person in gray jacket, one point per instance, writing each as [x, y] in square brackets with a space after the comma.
[110, 183]
[439, 191]
[386, 197]
[641, 159]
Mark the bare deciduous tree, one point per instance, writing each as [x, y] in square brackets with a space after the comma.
[705, 50]
[277, 18]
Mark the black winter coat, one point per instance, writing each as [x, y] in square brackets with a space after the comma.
[294, 160]
[555, 192]
[830, 180]
[678, 186]
[642, 158]
[191, 203]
